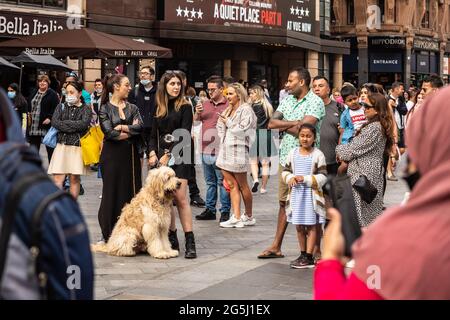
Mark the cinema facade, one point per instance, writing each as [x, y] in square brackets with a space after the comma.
[260, 40]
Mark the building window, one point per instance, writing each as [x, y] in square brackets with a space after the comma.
[323, 68]
[381, 4]
[425, 23]
[325, 16]
[58, 4]
[351, 12]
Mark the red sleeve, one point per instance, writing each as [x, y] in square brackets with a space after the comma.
[330, 283]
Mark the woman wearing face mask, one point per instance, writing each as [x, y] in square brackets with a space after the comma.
[72, 120]
[404, 255]
[96, 97]
[174, 118]
[18, 100]
[119, 160]
[41, 105]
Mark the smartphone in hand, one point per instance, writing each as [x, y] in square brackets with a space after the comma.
[340, 190]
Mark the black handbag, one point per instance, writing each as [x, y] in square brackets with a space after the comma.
[365, 189]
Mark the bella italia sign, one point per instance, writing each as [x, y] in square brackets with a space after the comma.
[13, 24]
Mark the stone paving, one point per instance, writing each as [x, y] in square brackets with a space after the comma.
[226, 267]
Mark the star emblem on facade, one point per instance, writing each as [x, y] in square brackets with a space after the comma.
[292, 10]
[186, 12]
[179, 11]
[297, 11]
[307, 12]
[193, 13]
[302, 12]
[200, 14]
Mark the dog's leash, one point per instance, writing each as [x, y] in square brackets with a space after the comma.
[158, 163]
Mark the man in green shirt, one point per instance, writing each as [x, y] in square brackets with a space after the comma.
[301, 106]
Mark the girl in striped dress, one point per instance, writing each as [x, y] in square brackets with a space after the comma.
[305, 173]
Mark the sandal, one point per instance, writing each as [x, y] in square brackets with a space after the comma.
[267, 254]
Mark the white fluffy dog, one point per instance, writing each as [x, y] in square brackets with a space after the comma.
[144, 222]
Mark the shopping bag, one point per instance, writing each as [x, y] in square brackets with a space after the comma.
[90, 146]
[98, 133]
[50, 139]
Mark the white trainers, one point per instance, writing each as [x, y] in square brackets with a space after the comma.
[263, 191]
[232, 223]
[248, 221]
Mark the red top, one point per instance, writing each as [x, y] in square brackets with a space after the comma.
[330, 283]
[209, 117]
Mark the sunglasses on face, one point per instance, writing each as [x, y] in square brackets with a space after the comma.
[366, 106]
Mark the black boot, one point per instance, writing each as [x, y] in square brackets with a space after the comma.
[173, 239]
[190, 246]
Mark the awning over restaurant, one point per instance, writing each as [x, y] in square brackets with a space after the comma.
[40, 61]
[86, 43]
[6, 64]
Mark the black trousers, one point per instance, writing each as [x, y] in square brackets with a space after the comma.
[36, 141]
[192, 183]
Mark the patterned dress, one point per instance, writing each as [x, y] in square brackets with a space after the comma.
[365, 157]
[301, 195]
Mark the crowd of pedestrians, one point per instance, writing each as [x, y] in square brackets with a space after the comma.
[323, 132]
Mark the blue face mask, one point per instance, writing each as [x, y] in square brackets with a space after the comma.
[145, 82]
[11, 94]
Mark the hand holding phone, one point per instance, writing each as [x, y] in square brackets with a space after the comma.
[199, 107]
[341, 192]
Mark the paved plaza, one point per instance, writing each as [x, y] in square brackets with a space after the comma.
[226, 267]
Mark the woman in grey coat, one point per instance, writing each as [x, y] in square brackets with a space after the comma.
[236, 128]
[365, 155]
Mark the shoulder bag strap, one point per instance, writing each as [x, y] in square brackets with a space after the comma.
[36, 238]
[13, 200]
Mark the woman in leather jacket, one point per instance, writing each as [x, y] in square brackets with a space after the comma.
[174, 119]
[121, 167]
[72, 120]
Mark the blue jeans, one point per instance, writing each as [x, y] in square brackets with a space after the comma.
[214, 179]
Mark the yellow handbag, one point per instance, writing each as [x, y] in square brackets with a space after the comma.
[91, 145]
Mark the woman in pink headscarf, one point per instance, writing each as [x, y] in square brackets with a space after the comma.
[405, 253]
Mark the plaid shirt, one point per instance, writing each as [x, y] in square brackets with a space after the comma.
[35, 114]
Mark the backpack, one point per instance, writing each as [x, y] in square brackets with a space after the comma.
[44, 243]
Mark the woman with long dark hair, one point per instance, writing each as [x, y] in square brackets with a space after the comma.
[404, 255]
[366, 152]
[121, 167]
[18, 100]
[171, 134]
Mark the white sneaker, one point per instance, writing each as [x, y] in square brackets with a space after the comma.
[248, 221]
[233, 222]
[263, 191]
